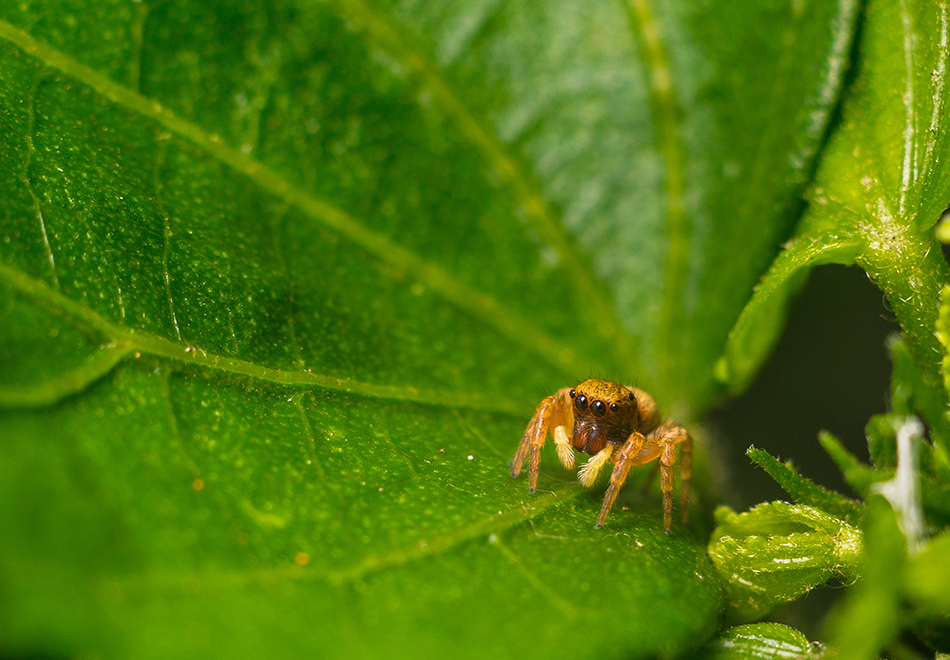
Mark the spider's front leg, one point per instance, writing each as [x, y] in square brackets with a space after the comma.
[554, 413]
[624, 459]
[639, 450]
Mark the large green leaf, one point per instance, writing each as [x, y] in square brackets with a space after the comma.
[280, 287]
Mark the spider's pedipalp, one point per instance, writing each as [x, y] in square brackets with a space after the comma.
[565, 450]
[587, 475]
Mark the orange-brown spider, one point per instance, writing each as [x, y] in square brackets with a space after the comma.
[611, 422]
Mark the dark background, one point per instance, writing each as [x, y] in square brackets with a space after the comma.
[830, 371]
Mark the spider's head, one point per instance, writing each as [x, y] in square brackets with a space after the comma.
[603, 411]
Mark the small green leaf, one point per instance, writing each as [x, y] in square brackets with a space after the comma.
[910, 395]
[805, 491]
[762, 641]
[777, 552]
[928, 581]
[882, 441]
[858, 475]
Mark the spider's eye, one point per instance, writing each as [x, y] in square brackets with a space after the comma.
[598, 408]
[614, 407]
[581, 403]
[630, 396]
[572, 393]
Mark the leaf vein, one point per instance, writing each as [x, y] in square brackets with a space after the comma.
[373, 563]
[167, 235]
[124, 341]
[568, 610]
[311, 440]
[65, 384]
[481, 306]
[938, 80]
[909, 168]
[25, 179]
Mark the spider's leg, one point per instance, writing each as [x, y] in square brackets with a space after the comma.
[660, 443]
[667, 461]
[552, 411]
[531, 443]
[686, 476]
[667, 437]
[623, 461]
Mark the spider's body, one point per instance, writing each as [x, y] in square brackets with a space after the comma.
[614, 423]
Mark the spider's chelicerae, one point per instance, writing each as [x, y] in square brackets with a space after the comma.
[614, 423]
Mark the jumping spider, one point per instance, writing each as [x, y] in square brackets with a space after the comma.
[611, 422]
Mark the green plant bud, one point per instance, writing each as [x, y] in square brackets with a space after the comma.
[777, 552]
[763, 641]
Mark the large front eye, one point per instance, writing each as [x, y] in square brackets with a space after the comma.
[581, 403]
[598, 408]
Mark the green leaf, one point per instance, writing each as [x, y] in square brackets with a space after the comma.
[927, 580]
[858, 475]
[882, 185]
[934, 487]
[805, 491]
[866, 620]
[280, 287]
[761, 641]
[777, 552]
[928, 590]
